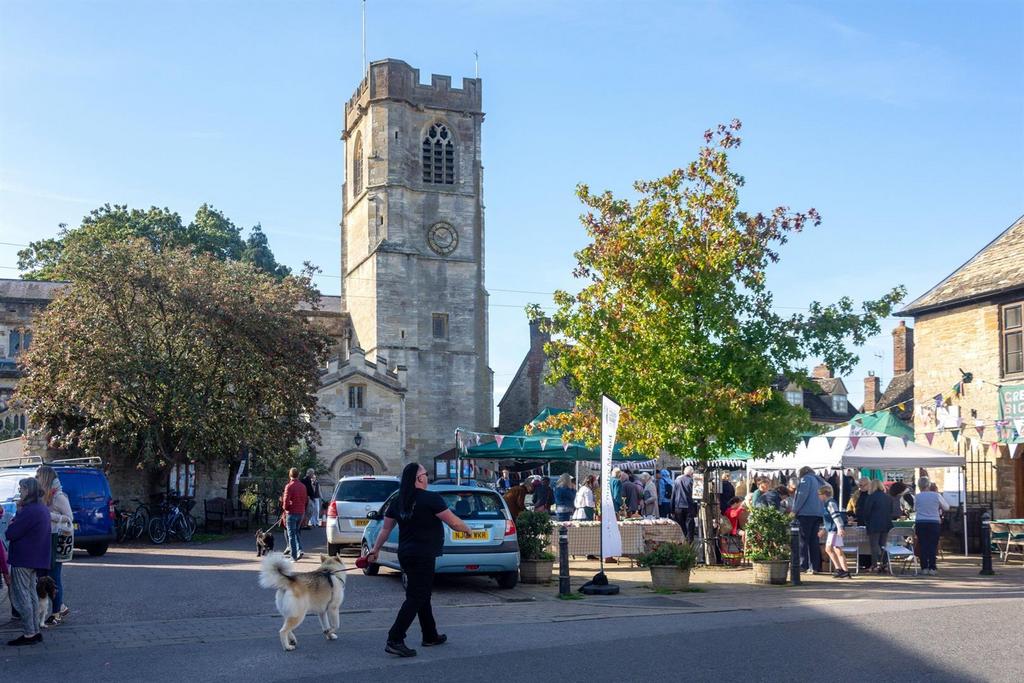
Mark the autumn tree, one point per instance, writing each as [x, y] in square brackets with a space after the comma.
[209, 232]
[155, 357]
[677, 324]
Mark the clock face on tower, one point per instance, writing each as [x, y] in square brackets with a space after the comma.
[442, 239]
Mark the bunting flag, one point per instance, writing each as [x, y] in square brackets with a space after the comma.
[565, 445]
[902, 406]
[938, 400]
[521, 441]
[807, 441]
[905, 439]
[956, 434]
[881, 442]
[498, 438]
[981, 430]
[830, 439]
[958, 388]
[929, 436]
[543, 444]
[1019, 425]
[854, 440]
[477, 437]
[995, 447]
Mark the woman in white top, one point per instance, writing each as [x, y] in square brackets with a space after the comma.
[61, 521]
[585, 502]
[929, 507]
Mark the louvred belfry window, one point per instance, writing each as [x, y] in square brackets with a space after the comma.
[438, 156]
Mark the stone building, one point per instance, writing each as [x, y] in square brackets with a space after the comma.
[412, 263]
[971, 322]
[825, 397]
[900, 390]
[529, 392]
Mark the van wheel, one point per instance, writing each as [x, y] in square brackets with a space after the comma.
[97, 549]
[507, 580]
[333, 549]
[370, 569]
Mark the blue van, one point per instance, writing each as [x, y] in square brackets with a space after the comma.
[88, 492]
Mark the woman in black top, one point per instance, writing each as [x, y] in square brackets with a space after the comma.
[419, 514]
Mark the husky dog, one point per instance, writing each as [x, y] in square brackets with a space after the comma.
[319, 591]
[264, 542]
[46, 589]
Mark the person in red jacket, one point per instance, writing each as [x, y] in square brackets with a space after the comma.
[293, 504]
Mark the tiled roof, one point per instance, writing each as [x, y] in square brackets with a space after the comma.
[329, 303]
[900, 390]
[999, 267]
[818, 401]
[29, 290]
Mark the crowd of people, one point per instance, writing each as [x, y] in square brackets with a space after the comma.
[822, 508]
[43, 516]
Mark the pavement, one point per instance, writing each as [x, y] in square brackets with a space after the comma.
[173, 612]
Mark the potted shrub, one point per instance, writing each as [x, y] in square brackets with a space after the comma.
[767, 545]
[670, 565]
[533, 530]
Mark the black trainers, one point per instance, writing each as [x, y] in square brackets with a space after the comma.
[399, 649]
[26, 640]
[439, 640]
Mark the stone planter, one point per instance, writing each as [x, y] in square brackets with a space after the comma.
[773, 573]
[669, 577]
[535, 571]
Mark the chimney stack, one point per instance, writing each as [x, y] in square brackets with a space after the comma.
[872, 392]
[821, 372]
[538, 337]
[902, 349]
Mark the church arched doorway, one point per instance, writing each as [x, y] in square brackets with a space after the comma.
[357, 467]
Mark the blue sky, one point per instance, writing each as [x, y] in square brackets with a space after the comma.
[901, 122]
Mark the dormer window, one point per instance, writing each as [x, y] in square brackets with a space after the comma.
[795, 397]
[840, 404]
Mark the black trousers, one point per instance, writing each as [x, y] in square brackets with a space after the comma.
[684, 519]
[810, 549]
[419, 572]
[928, 541]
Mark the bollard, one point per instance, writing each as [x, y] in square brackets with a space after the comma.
[794, 553]
[563, 561]
[986, 545]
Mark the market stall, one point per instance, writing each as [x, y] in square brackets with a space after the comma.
[585, 537]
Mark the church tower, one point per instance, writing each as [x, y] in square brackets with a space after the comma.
[412, 247]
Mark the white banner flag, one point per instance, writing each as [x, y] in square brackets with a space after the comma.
[611, 539]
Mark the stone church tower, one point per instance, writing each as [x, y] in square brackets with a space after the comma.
[412, 249]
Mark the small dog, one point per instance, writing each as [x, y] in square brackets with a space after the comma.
[46, 589]
[264, 542]
[320, 591]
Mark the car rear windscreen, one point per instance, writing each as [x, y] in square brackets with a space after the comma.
[9, 487]
[474, 504]
[365, 490]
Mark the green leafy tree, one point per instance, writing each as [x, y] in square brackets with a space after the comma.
[155, 357]
[676, 322]
[210, 232]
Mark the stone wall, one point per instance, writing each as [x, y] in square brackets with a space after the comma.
[944, 343]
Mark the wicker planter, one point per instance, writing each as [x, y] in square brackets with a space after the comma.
[771, 573]
[535, 571]
[669, 577]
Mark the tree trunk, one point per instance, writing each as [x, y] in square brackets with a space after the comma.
[232, 489]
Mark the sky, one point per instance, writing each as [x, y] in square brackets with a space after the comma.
[902, 123]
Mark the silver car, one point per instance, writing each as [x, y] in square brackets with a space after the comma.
[353, 498]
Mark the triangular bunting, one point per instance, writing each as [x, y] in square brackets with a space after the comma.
[854, 440]
[498, 438]
[565, 445]
[994, 446]
[955, 433]
[830, 439]
[543, 444]
[881, 442]
[981, 430]
[1018, 423]
[477, 437]
[938, 400]
[902, 406]
[929, 436]
[807, 440]
[905, 439]
[520, 440]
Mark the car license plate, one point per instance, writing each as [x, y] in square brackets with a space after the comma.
[471, 536]
[361, 522]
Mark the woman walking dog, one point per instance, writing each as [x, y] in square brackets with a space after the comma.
[419, 514]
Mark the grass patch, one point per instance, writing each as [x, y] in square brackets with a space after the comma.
[666, 591]
[209, 538]
[570, 596]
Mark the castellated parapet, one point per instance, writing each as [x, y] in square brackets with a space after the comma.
[393, 79]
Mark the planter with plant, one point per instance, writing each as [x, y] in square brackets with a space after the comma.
[767, 545]
[533, 530]
[670, 565]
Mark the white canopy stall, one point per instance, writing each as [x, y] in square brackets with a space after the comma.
[855, 446]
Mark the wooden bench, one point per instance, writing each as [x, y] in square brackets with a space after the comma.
[224, 514]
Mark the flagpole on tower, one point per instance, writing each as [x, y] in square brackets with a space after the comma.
[364, 37]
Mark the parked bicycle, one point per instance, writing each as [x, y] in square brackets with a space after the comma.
[173, 519]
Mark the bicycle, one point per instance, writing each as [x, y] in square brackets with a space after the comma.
[138, 520]
[174, 519]
[121, 520]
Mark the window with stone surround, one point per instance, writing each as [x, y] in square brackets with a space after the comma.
[356, 396]
[440, 325]
[438, 156]
[357, 165]
[839, 404]
[1012, 331]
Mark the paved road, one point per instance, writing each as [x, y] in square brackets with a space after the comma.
[171, 615]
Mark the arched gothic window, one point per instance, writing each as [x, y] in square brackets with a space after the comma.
[357, 165]
[438, 156]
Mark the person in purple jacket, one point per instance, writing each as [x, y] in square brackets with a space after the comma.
[29, 540]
